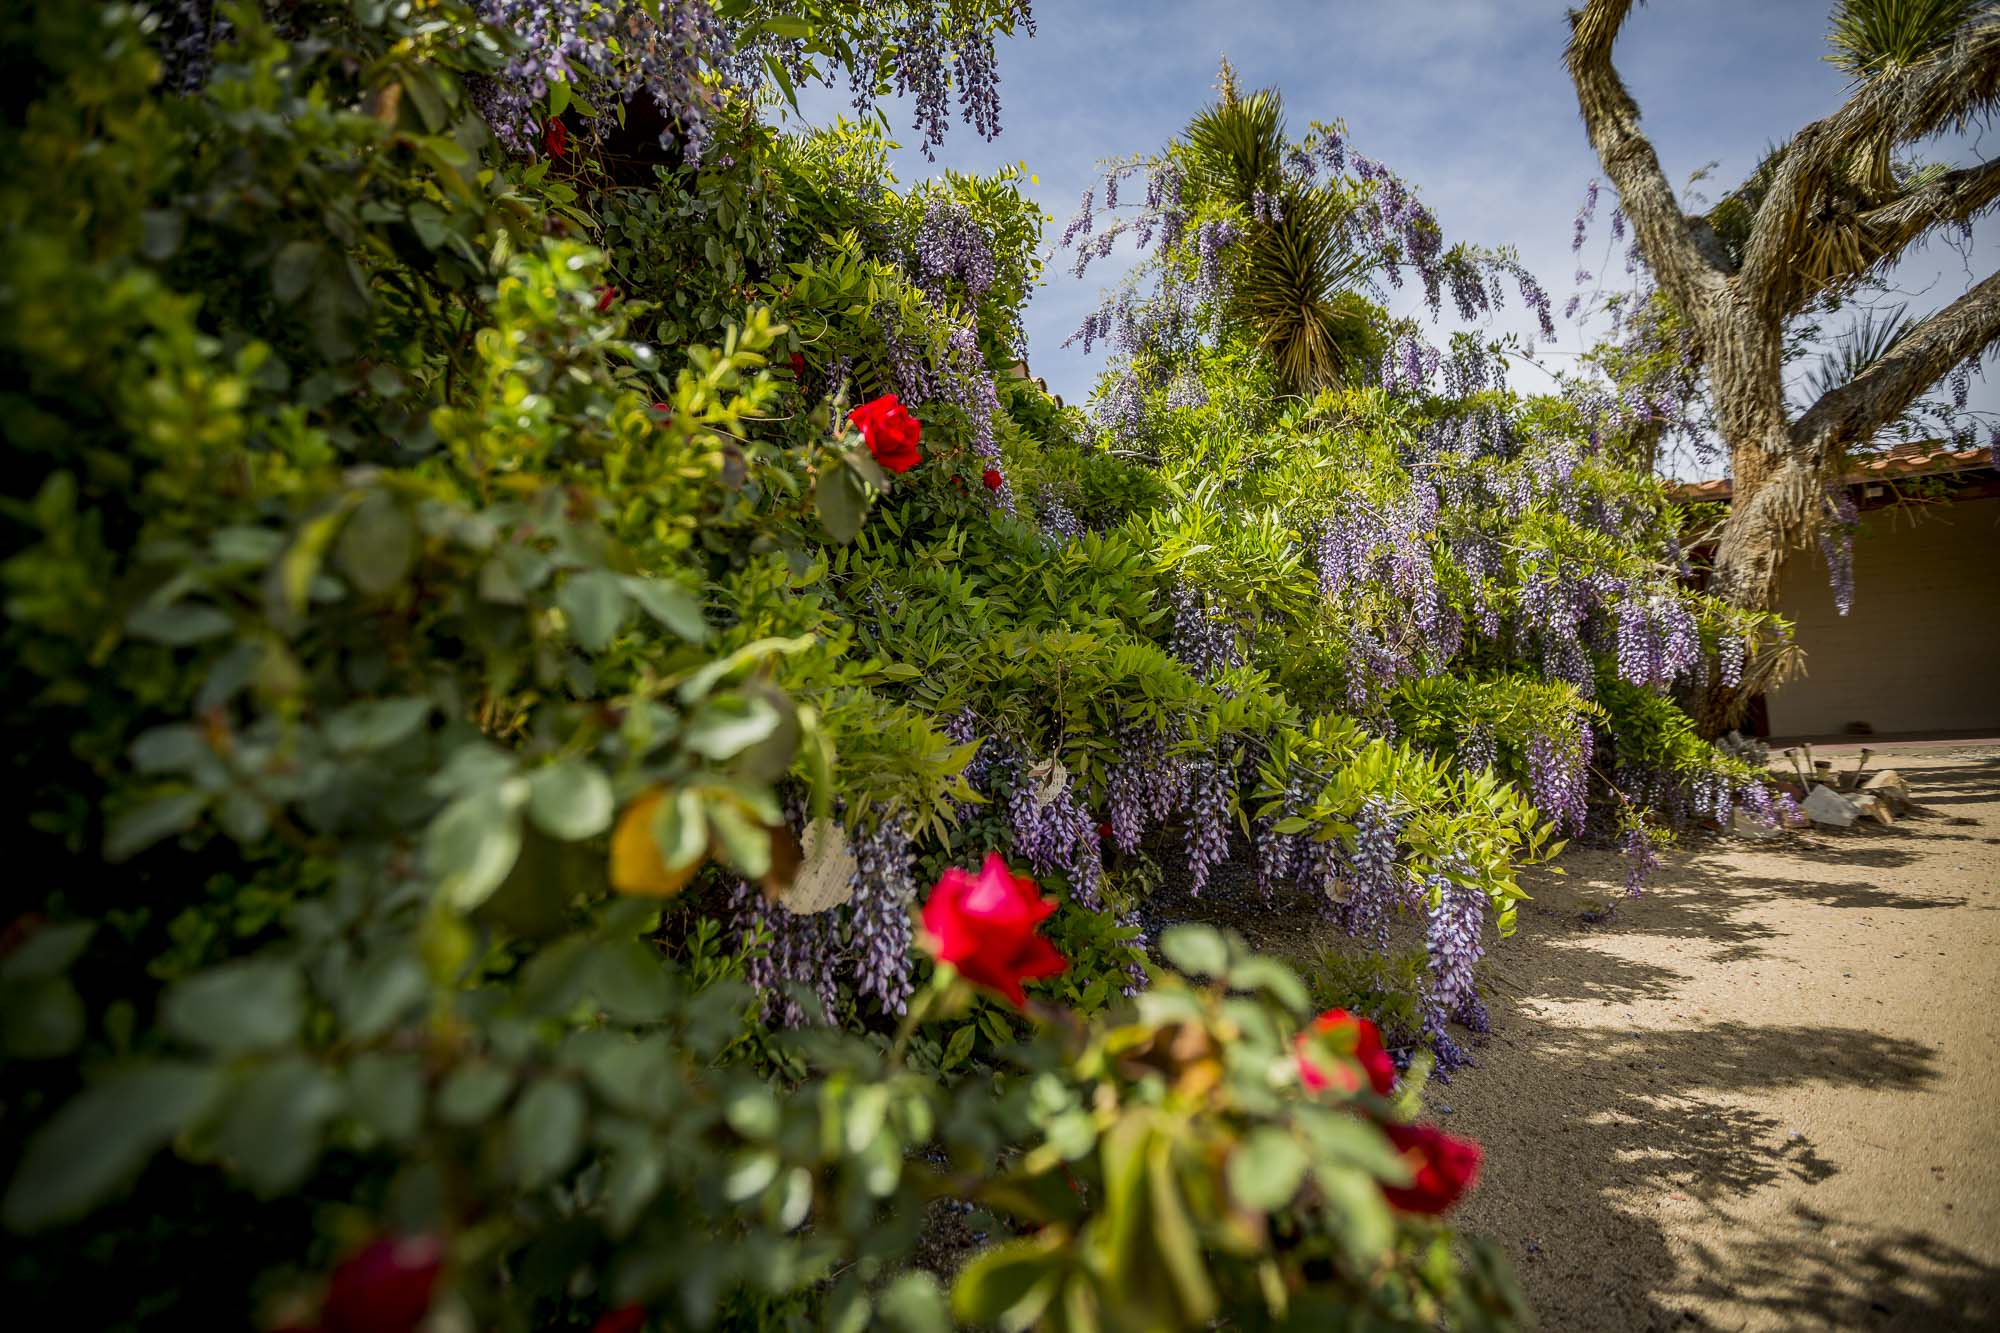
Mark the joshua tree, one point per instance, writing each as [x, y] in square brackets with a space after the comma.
[1823, 213]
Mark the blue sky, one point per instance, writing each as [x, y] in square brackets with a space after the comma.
[1467, 99]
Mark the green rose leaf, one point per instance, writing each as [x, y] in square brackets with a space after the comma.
[595, 604]
[724, 727]
[101, 1137]
[251, 1005]
[375, 724]
[271, 1131]
[570, 799]
[1266, 1169]
[472, 845]
[670, 604]
[546, 1131]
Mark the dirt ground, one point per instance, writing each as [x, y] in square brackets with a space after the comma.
[1766, 1094]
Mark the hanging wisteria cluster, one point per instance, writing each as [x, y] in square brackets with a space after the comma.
[951, 246]
[1148, 785]
[1658, 643]
[1558, 775]
[1453, 937]
[867, 939]
[607, 50]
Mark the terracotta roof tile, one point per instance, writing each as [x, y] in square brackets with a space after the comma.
[1920, 458]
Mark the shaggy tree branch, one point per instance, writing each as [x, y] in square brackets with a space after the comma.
[1857, 409]
[1955, 196]
[1611, 118]
[1898, 106]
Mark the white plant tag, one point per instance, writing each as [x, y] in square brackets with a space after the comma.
[826, 871]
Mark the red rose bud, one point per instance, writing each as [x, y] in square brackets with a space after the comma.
[891, 432]
[798, 366]
[984, 925]
[555, 137]
[992, 478]
[1444, 1168]
[1368, 1052]
[626, 1319]
[1104, 832]
[606, 298]
[384, 1288]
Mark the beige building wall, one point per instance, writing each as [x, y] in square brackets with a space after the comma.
[1920, 651]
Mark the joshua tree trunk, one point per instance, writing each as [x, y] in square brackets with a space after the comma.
[1815, 232]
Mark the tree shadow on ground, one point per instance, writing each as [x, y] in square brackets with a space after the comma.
[1812, 1271]
[1622, 1164]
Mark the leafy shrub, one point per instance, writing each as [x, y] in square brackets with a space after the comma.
[452, 621]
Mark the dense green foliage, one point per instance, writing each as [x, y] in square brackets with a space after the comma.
[388, 513]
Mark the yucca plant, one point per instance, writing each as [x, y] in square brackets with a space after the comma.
[1297, 274]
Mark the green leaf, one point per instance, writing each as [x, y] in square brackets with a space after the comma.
[375, 724]
[724, 727]
[594, 603]
[1273, 978]
[1011, 1285]
[293, 269]
[749, 1175]
[386, 1093]
[134, 830]
[272, 1128]
[959, 1047]
[40, 1020]
[680, 828]
[473, 1092]
[914, 1303]
[634, 1075]
[1196, 950]
[746, 844]
[380, 993]
[842, 501]
[570, 799]
[101, 1137]
[250, 1005]
[179, 625]
[1266, 1169]
[471, 846]
[670, 604]
[630, 978]
[546, 1131]
[170, 749]
[559, 93]
[378, 545]
[48, 952]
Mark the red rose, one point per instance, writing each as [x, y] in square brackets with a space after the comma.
[606, 297]
[984, 925]
[625, 1319]
[555, 137]
[1368, 1051]
[992, 478]
[1104, 831]
[798, 366]
[385, 1288]
[892, 433]
[1444, 1168]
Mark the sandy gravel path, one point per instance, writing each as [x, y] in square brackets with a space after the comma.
[1766, 1095]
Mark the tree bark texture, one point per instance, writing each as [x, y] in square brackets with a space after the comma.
[1817, 229]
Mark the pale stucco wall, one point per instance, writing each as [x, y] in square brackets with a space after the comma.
[1920, 651]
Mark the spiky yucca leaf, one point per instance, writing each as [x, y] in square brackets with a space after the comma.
[1296, 273]
[1871, 36]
